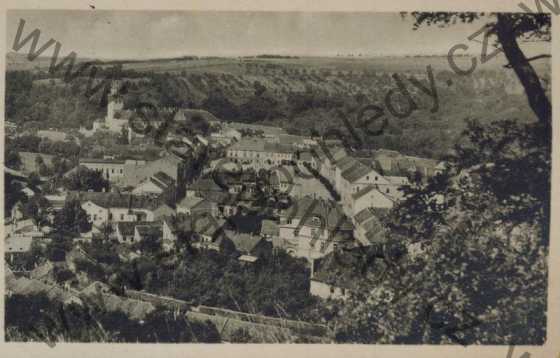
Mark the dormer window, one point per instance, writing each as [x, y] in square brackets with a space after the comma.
[316, 220]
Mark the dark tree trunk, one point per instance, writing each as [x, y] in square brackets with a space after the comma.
[538, 101]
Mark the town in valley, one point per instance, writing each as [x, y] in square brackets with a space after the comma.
[247, 199]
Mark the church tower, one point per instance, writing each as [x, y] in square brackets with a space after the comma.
[114, 103]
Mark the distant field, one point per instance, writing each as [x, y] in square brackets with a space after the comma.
[307, 95]
[345, 64]
[236, 65]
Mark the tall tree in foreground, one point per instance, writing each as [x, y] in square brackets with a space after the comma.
[508, 29]
[477, 235]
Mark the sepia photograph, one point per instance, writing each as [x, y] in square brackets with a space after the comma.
[372, 178]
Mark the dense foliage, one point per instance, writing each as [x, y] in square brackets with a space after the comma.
[84, 179]
[49, 103]
[72, 218]
[36, 317]
[477, 238]
[298, 97]
[278, 285]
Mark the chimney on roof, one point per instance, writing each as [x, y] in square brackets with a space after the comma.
[312, 267]
[336, 247]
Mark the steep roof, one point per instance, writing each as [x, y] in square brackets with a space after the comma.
[204, 184]
[355, 170]
[269, 227]
[338, 153]
[15, 173]
[243, 242]
[368, 221]
[201, 224]
[284, 174]
[157, 183]
[42, 271]
[137, 171]
[245, 223]
[150, 231]
[310, 208]
[363, 215]
[290, 139]
[331, 152]
[220, 197]
[190, 202]
[100, 161]
[371, 188]
[206, 225]
[204, 206]
[306, 156]
[118, 200]
[127, 227]
[345, 163]
[260, 145]
[397, 180]
[420, 162]
[189, 113]
[269, 130]
[18, 243]
[52, 135]
[163, 178]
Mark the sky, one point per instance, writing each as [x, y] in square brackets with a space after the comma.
[161, 34]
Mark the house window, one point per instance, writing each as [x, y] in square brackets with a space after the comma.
[331, 289]
[387, 190]
[367, 177]
[376, 178]
[122, 216]
[94, 216]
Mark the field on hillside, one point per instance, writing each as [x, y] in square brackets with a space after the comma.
[308, 95]
[19, 61]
